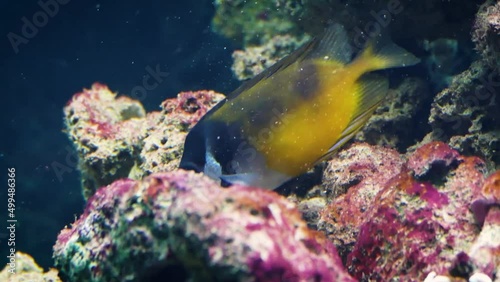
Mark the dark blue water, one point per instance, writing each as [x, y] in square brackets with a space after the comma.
[113, 42]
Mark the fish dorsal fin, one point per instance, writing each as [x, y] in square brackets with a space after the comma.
[295, 56]
[333, 45]
[371, 91]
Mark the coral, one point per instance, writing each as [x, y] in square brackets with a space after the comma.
[485, 251]
[402, 219]
[489, 197]
[165, 131]
[353, 178]
[105, 131]
[465, 114]
[251, 23]
[485, 32]
[182, 223]
[114, 138]
[28, 270]
[260, 20]
[432, 156]
[253, 60]
[391, 216]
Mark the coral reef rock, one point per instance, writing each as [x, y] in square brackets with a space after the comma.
[260, 21]
[465, 115]
[26, 269]
[115, 138]
[184, 225]
[486, 30]
[398, 121]
[405, 218]
[253, 60]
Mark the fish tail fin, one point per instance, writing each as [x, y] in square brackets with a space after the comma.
[387, 56]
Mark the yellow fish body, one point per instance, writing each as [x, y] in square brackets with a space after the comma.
[293, 115]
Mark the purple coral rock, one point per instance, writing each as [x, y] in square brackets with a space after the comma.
[417, 227]
[485, 32]
[485, 252]
[190, 107]
[407, 228]
[133, 229]
[362, 170]
[490, 196]
[429, 155]
[115, 138]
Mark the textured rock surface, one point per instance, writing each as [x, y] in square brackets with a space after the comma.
[260, 21]
[465, 115]
[115, 138]
[28, 270]
[264, 19]
[403, 219]
[398, 122]
[132, 229]
[353, 179]
[486, 32]
[253, 60]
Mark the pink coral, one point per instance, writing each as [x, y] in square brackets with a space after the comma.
[190, 107]
[131, 228]
[489, 196]
[363, 170]
[431, 154]
[115, 138]
[416, 217]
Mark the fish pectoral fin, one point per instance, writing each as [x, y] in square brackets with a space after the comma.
[371, 90]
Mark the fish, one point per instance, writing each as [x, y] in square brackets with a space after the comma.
[295, 114]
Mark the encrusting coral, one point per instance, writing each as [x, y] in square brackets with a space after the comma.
[404, 217]
[185, 221]
[431, 214]
[466, 114]
[26, 269]
[430, 205]
[114, 137]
